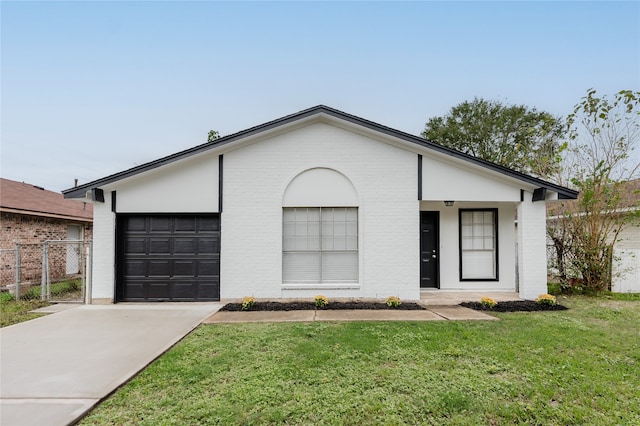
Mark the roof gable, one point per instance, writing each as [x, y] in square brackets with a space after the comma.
[300, 117]
[23, 198]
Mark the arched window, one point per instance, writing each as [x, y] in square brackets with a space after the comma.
[320, 229]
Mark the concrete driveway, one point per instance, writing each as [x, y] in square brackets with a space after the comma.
[55, 368]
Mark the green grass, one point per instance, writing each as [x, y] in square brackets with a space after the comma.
[555, 288]
[580, 366]
[14, 312]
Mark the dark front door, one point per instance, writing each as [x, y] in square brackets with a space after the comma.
[429, 243]
[168, 258]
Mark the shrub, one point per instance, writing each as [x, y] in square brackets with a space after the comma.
[321, 301]
[546, 299]
[248, 302]
[393, 301]
[488, 302]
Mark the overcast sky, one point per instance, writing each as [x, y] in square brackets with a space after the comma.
[94, 88]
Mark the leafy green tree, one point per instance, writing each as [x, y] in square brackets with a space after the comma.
[213, 135]
[514, 136]
[599, 162]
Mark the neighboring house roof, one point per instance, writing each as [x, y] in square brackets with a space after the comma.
[23, 198]
[80, 191]
[630, 194]
[629, 200]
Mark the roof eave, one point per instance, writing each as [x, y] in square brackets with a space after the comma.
[80, 191]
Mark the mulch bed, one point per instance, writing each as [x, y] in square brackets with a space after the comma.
[303, 306]
[514, 306]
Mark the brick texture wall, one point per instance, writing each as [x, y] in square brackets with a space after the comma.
[30, 232]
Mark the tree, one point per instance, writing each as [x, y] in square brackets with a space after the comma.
[213, 135]
[514, 136]
[599, 163]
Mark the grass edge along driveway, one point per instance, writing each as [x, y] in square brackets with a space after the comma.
[580, 366]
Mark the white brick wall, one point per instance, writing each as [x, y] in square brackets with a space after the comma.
[103, 250]
[255, 178]
[532, 247]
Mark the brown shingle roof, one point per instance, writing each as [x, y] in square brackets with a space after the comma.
[629, 199]
[23, 198]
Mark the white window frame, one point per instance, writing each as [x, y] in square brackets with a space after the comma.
[478, 244]
[320, 245]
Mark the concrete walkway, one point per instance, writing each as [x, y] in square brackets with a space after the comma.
[432, 313]
[53, 369]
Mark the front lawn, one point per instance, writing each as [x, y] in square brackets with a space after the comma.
[580, 366]
[14, 312]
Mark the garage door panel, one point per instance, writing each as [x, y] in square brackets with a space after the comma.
[135, 268]
[135, 245]
[160, 224]
[136, 224]
[208, 268]
[184, 268]
[185, 224]
[184, 290]
[208, 224]
[207, 291]
[160, 246]
[160, 268]
[168, 257]
[159, 290]
[185, 245]
[208, 245]
[134, 291]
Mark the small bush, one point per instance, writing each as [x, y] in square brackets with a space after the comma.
[321, 301]
[554, 288]
[393, 301]
[546, 299]
[248, 302]
[488, 302]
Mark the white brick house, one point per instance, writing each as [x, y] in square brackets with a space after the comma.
[316, 202]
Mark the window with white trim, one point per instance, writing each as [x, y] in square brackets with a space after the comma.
[479, 244]
[320, 244]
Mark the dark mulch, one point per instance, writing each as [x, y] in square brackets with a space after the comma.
[514, 306]
[303, 306]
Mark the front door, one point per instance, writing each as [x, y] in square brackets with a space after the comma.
[429, 243]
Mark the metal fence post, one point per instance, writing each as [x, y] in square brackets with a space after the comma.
[17, 271]
[83, 270]
[90, 274]
[48, 274]
[43, 280]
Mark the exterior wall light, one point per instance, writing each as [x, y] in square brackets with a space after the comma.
[448, 203]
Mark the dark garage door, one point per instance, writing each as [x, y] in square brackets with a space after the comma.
[168, 258]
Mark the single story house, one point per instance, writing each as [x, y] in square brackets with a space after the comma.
[30, 215]
[317, 202]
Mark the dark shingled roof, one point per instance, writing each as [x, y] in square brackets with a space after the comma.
[80, 191]
[23, 198]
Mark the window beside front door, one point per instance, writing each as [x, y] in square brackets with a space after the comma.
[320, 244]
[478, 244]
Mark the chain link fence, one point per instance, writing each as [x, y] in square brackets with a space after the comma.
[53, 270]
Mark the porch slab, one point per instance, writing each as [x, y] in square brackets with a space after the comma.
[260, 316]
[446, 297]
[382, 315]
[459, 313]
